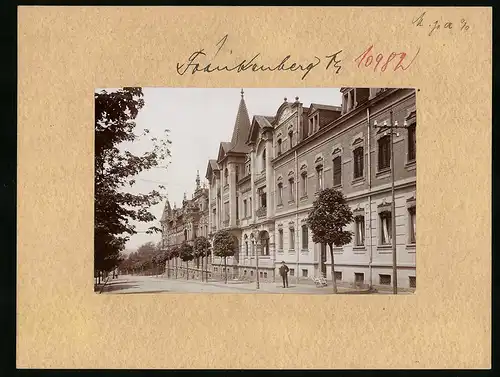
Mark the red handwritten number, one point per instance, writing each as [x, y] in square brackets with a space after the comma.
[366, 58]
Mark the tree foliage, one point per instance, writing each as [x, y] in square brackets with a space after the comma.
[114, 208]
[201, 247]
[328, 218]
[186, 252]
[224, 244]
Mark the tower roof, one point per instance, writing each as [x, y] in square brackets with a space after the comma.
[241, 128]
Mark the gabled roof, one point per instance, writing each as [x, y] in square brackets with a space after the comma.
[166, 211]
[211, 167]
[258, 122]
[224, 147]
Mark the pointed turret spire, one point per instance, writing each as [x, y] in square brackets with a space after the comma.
[241, 128]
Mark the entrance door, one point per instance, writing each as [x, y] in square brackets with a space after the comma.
[323, 260]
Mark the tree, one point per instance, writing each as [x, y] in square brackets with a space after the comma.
[186, 254]
[327, 219]
[224, 247]
[114, 207]
[202, 250]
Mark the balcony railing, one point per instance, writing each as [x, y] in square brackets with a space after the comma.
[261, 212]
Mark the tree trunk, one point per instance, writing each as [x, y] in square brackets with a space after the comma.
[225, 269]
[187, 272]
[334, 281]
[176, 268]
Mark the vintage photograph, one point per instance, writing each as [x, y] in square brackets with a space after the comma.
[255, 190]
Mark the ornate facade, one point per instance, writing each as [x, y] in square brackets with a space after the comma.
[187, 222]
[263, 183]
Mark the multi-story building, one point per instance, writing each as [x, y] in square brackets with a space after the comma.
[264, 181]
[188, 222]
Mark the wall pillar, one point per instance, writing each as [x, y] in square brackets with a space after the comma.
[232, 195]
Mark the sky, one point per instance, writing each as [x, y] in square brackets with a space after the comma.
[198, 120]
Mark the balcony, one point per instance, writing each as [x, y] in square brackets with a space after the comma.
[261, 212]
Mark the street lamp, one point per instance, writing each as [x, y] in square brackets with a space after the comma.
[391, 128]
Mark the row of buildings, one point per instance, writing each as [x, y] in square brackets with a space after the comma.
[262, 184]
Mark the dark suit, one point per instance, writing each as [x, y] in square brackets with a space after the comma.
[284, 274]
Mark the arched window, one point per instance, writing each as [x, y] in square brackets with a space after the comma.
[290, 136]
[278, 147]
[291, 185]
[264, 159]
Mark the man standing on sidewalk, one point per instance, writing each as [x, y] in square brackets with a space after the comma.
[284, 274]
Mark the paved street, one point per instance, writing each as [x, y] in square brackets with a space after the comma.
[152, 284]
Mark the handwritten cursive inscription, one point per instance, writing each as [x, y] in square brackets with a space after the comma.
[448, 25]
[382, 62]
[196, 62]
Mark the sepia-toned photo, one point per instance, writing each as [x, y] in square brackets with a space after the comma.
[259, 190]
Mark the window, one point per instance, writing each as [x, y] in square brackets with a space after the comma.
[360, 230]
[384, 279]
[413, 281]
[290, 136]
[292, 239]
[319, 172]
[384, 153]
[338, 275]
[359, 278]
[280, 193]
[291, 185]
[413, 223]
[385, 228]
[278, 147]
[260, 273]
[311, 125]
[264, 159]
[262, 196]
[265, 274]
[280, 239]
[412, 143]
[250, 204]
[292, 272]
[251, 273]
[304, 273]
[316, 122]
[337, 171]
[358, 162]
[252, 247]
[244, 272]
[245, 210]
[304, 183]
[246, 248]
[237, 207]
[305, 238]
